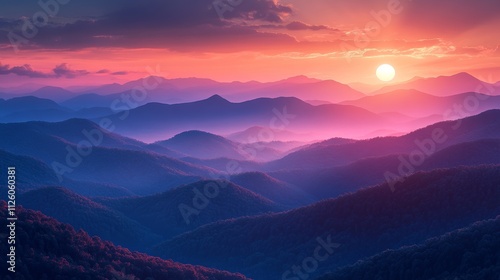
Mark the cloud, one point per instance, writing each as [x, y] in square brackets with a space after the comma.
[62, 70]
[103, 71]
[173, 24]
[447, 18]
[297, 25]
[24, 70]
[119, 73]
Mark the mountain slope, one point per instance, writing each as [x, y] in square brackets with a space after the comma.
[105, 163]
[335, 181]
[445, 85]
[191, 206]
[319, 156]
[468, 253]
[155, 121]
[49, 249]
[36, 174]
[419, 104]
[271, 188]
[364, 223]
[82, 213]
[204, 145]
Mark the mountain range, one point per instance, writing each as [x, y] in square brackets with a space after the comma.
[359, 224]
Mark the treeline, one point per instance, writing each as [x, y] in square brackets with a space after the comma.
[472, 253]
[48, 249]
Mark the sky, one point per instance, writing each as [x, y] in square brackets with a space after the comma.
[76, 42]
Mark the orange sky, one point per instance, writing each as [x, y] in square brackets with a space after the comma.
[258, 40]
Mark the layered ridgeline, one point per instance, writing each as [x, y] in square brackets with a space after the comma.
[204, 145]
[188, 207]
[426, 140]
[156, 121]
[332, 182]
[36, 174]
[81, 150]
[445, 85]
[350, 227]
[468, 253]
[96, 219]
[48, 249]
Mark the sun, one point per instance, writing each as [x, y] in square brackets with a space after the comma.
[386, 72]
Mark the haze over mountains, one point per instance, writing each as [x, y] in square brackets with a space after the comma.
[253, 177]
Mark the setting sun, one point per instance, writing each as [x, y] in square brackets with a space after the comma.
[386, 72]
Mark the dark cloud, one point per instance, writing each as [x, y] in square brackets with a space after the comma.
[447, 18]
[158, 24]
[119, 73]
[62, 70]
[24, 70]
[103, 71]
[297, 25]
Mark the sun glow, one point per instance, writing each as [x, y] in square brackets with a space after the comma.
[386, 72]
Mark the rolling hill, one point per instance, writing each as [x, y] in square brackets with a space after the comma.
[190, 206]
[53, 250]
[94, 218]
[320, 156]
[155, 121]
[204, 145]
[468, 253]
[63, 151]
[272, 189]
[361, 224]
[36, 174]
[335, 181]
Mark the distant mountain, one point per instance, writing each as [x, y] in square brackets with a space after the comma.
[445, 85]
[225, 165]
[191, 89]
[148, 172]
[216, 115]
[70, 131]
[90, 100]
[26, 104]
[418, 104]
[333, 182]
[52, 250]
[37, 174]
[204, 145]
[468, 253]
[190, 206]
[271, 188]
[29, 108]
[327, 90]
[53, 93]
[346, 229]
[260, 134]
[94, 218]
[483, 126]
